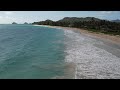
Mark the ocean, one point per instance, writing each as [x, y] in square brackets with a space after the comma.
[39, 52]
[31, 52]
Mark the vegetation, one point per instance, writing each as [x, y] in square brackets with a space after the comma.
[89, 23]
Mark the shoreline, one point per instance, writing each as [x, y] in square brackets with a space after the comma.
[75, 66]
[112, 38]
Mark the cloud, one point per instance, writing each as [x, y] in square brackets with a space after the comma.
[7, 19]
[101, 15]
[8, 13]
[109, 12]
[106, 12]
[1, 17]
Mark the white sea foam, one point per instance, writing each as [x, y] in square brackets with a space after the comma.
[91, 61]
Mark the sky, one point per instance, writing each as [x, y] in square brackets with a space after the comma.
[7, 17]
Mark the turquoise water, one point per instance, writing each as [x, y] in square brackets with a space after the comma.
[28, 51]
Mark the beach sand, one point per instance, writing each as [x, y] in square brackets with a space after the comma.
[112, 38]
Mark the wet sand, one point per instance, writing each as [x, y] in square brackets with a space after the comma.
[69, 72]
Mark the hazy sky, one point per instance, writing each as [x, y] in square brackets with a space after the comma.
[33, 16]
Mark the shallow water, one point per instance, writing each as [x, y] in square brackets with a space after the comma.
[28, 51]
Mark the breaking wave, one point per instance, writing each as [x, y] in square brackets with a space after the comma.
[91, 62]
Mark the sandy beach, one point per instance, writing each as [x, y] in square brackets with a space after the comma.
[112, 38]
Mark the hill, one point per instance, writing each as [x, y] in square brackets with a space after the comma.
[14, 23]
[89, 23]
[76, 19]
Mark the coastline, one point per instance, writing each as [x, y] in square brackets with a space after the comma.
[112, 38]
[77, 68]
